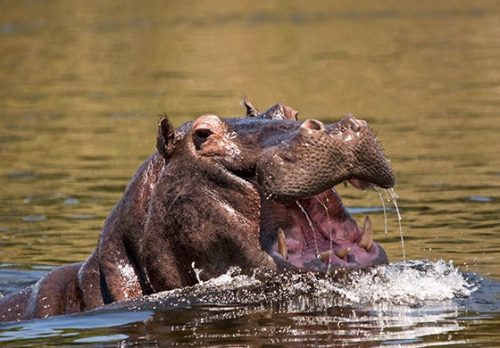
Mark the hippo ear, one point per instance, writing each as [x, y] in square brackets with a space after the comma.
[251, 110]
[280, 112]
[165, 138]
[290, 113]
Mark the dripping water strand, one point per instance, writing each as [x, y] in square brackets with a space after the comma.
[330, 233]
[310, 225]
[383, 207]
[394, 197]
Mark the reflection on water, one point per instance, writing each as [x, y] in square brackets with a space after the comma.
[83, 82]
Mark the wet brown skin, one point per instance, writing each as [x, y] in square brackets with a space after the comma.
[256, 192]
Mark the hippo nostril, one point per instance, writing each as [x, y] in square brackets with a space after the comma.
[313, 124]
[356, 125]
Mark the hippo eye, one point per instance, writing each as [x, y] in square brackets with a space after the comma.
[203, 133]
[200, 136]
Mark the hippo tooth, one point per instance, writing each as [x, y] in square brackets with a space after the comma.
[366, 240]
[282, 247]
[343, 252]
[325, 256]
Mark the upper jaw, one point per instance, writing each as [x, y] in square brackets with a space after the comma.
[313, 158]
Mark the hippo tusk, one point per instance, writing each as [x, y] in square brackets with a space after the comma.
[325, 256]
[282, 247]
[366, 240]
[341, 253]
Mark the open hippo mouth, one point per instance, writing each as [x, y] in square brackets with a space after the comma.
[304, 223]
[317, 233]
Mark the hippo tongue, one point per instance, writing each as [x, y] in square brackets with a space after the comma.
[324, 218]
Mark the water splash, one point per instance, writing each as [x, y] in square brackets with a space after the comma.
[197, 272]
[232, 279]
[402, 301]
[310, 224]
[410, 283]
[397, 303]
[394, 197]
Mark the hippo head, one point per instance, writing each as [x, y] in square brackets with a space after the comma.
[279, 175]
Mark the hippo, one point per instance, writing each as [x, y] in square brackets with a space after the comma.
[255, 191]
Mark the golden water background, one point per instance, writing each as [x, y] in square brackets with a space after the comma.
[82, 84]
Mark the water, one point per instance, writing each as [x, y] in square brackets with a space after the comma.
[403, 303]
[330, 233]
[310, 225]
[81, 86]
[394, 198]
[383, 208]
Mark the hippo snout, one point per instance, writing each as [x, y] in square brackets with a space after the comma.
[353, 124]
[316, 157]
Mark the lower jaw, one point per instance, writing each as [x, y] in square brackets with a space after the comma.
[356, 258]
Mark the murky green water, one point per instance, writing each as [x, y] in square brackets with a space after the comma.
[82, 83]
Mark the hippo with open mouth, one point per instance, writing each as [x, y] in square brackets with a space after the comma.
[255, 192]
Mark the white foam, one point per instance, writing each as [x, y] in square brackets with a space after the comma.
[232, 279]
[408, 283]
